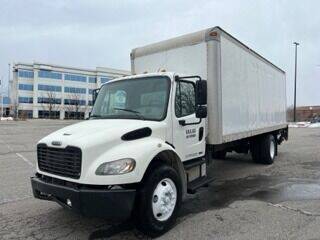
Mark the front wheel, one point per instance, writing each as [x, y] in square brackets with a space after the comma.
[159, 200]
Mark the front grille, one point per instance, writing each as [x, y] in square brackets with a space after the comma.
[64, 162]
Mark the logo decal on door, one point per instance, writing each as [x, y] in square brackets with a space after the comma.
[190, 133]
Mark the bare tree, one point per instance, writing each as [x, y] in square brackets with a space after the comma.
[50, 103]
[14, 109]
[74, 106]
[290, 114]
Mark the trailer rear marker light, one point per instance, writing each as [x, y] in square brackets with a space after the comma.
[213, 34]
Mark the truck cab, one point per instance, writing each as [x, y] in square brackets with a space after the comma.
[131, 155]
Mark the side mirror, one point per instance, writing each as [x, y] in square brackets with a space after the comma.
[201, 111]
[94, 95]
[201, 92]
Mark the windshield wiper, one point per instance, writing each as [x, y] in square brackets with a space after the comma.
[132, 111]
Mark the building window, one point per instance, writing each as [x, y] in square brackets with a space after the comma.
[49, 114]
[74, 102]
[49, 88]
[46, 100]
[49, 74]
[90, 102]
[185, 99]
[26, 87]
[92, 79]
[75, 90]
[90, 91]
[25, 74]
[6, 100]
[25, 100]
[105, 79]
[25, 113]
[74, 115]
[72, 77]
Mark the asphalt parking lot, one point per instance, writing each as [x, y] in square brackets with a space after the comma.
[246, 201]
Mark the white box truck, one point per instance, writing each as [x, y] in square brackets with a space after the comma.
[151, 136]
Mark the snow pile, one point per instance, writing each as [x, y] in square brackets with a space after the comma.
[299, 124]
[314, 125]
[6, 118]
[304, 125]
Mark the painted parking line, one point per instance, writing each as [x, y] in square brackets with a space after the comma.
[18, 154]
[25, 159]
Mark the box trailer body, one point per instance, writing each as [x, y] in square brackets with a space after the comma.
[246, 92]
[151, 136]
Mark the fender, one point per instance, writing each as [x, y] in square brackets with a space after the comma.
[143, 151]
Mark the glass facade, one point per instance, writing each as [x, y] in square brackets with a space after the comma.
[25, 113]
[92, 79]
[49, 88]
[74, 102]
[6, 100]
[73, 77]
[73, 115]
[75, 90]
[49, 74]
[49, 114]
[37, 85]
[25, 100]
[47, 100]
[25, 74]
[25, 87]
[105, 79]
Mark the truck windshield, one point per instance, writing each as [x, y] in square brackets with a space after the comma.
[138, 98]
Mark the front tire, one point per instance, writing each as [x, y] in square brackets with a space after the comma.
[158, 201]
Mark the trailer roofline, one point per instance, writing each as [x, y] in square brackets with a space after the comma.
[192, 39]
[249, 49]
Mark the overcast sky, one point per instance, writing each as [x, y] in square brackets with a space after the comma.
[102, 33]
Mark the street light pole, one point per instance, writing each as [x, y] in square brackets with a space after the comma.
[9, 71]
[295, 82]
[8, 88]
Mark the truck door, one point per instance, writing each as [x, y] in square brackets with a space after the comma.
[187, 131]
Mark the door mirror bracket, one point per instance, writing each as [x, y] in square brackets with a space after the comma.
[201, 111]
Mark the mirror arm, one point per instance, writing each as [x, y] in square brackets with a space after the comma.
[177, 78]
[183, 122]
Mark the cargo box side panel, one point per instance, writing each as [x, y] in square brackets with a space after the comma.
[252, 91]
[187, 60]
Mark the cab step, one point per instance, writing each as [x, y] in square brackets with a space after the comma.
[193, 186]
[194, 163]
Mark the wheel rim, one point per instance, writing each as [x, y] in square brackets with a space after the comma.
[272, 149]
[164, 199]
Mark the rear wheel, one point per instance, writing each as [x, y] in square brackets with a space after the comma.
[263, 149]
[158, 201]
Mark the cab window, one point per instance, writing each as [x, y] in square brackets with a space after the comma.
[185, 99]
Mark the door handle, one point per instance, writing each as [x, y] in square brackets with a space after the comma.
[201, 133]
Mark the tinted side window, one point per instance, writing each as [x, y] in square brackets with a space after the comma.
[185, 99]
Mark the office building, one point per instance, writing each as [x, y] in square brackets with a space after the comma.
[50, 91]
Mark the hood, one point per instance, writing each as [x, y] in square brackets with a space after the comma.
[100, 131]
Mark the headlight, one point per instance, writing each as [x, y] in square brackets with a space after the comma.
[117, 167]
